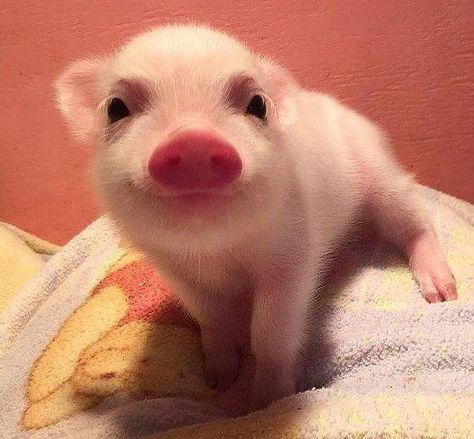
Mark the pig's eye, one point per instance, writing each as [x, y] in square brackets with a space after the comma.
[117, 110]
[257, 107]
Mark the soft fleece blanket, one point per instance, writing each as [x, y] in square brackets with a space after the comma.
[94, 345]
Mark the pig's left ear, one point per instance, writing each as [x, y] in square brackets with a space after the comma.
[78, 96]
[283, 88]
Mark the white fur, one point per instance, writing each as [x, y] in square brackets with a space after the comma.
[308, 173]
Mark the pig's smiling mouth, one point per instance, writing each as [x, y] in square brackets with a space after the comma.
[202, 202]
[197, 203]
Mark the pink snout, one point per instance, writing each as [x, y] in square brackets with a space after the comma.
[194, 160]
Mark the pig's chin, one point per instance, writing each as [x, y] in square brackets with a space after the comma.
[202, 219]
[197, 203]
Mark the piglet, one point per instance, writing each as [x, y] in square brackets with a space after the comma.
[238, 183]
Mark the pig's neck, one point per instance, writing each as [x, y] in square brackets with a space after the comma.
[237, 267]
[229, 268]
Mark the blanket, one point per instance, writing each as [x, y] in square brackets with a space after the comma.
[93, 344]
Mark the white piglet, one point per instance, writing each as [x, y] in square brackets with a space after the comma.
[238, 184]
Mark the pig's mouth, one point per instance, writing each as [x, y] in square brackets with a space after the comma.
[197, 197]
[202, 203]
[197, 202]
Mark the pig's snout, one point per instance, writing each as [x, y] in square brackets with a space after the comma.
[194, 160]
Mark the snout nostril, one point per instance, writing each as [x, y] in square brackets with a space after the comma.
[174, 160]
[216, 159]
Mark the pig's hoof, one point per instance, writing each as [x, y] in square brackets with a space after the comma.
[220, 375]
[222, 359]
[436, 282]
[431, 270]
[440, 293]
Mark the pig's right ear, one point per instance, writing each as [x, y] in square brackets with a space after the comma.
[78, 96]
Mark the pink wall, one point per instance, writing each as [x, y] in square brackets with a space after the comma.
[407, 64]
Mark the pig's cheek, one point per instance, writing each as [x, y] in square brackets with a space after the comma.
[248, 169]
[138, 171]
[142, 141]
[259, 160]
[130, 156]
[252, 154]
[287, 113]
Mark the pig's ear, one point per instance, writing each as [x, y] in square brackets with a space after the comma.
[283, 88]
[78, 96]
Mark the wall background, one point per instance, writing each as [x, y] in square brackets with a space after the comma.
[408, 64]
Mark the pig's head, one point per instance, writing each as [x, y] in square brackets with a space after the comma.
[189, 129]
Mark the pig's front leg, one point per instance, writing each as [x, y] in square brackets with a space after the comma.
[222, 355]
[219, 335]
[213, 310]
[278, 320]
[401, 218]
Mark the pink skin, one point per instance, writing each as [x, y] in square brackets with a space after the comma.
[239, 210]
